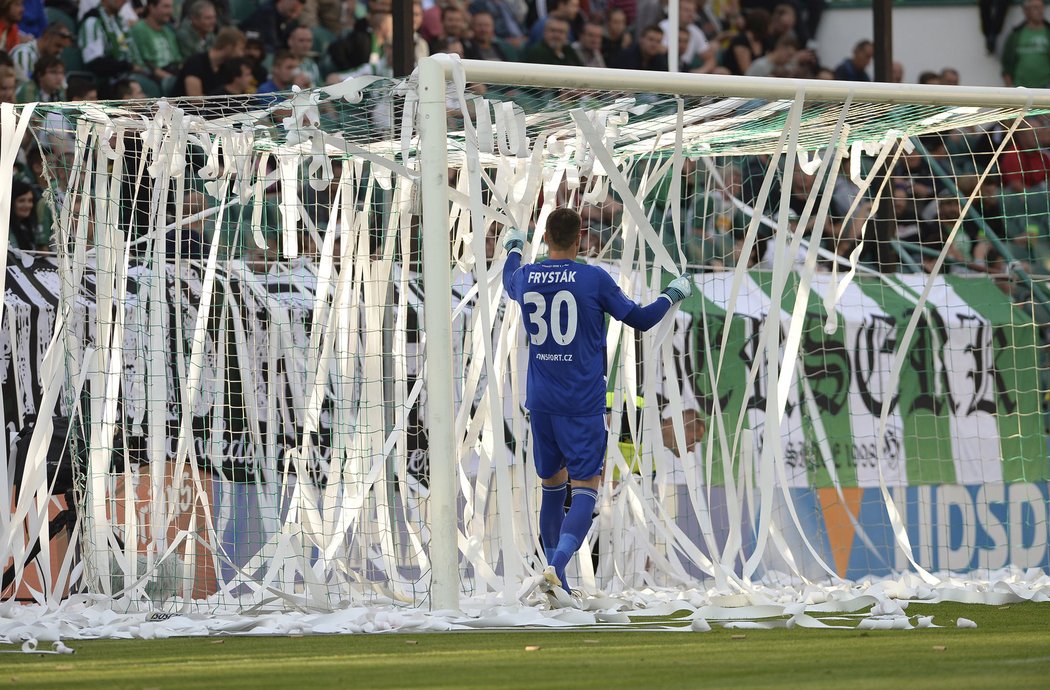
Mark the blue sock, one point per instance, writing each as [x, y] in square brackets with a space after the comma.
[574, 529]
[552, 514]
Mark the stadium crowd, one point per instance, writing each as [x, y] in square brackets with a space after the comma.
[65, 50]
[216, 47]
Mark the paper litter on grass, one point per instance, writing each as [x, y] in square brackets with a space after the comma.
[870, 604]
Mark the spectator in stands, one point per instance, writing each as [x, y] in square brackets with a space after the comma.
[778, 61]
[421, 47]
[853, 68]
[327, 14]
[648, 53]
[897, 73]
[283, 75]
[950, 76]
[958, 161]
[554, 48]
[365, 44]
[24, 230]
[7, 84]
[52, 41]
[200, 72]
[301, 45]
[48, 82]
[59, 129]
[782, 20]
[103, 40]
[710, 221]
[453, 26]
[431, 28]
[11, 12]
[697, 50]
[506, 26]
[484, 45]
[32, 173]
[235, 77]
[628, 7]
[196, 33]
[617, 37]
[749, 44]
[801, 189]
[156, 46]
[1026, 53]
[905, 215]
[80, 9]
[916, 178]
[452, 46]
[436, 33]
[255, 54]
[967, 251]
[683, 48]
[565, 10]
[1024, 165]
[589, 47]
[717, 28]
[128, 90]
[929, 77]
[274, 21]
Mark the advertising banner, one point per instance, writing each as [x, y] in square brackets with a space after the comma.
[964, 452]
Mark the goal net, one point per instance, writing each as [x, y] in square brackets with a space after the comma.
[271, 341]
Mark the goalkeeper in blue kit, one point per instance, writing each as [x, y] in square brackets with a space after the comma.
[564, 304]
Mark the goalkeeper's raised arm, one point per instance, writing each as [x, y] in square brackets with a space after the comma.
[563, 304]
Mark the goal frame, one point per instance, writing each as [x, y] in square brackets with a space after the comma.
[433, 75]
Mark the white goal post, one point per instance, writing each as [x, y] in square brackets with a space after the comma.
[273, 335]
[441, 76]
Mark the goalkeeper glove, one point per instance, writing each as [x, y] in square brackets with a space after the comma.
[678, 289]
[514, 240]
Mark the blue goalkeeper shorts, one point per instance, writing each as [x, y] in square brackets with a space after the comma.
[575, 443]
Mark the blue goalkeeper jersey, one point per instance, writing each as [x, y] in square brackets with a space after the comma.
[564, 304]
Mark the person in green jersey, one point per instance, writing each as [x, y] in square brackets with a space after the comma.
[1026, 53]
[197, 31]
[157, 46]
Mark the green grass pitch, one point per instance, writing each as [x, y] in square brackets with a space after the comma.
[1009, 649]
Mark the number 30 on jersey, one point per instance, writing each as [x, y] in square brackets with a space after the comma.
[551, 324]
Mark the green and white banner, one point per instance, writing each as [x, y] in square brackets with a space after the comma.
[965, 410]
